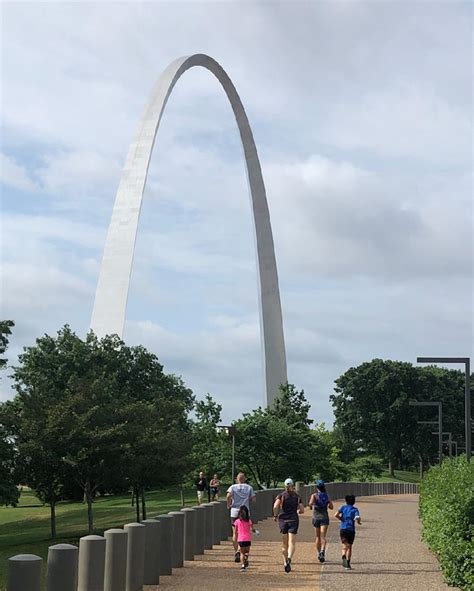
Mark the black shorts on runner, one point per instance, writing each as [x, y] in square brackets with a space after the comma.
[289, 527]
[318, 522]
[245, 544]
[347, 536]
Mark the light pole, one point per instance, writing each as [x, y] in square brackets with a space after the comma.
[467, 391]
[439, 422]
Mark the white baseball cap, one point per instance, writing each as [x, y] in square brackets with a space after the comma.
[289, 482]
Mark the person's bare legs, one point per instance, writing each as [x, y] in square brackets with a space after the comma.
[244, 555]
[234, 539]
[284, 549]
[318, 539]
[323, 542]
[291, 545]
[349, 551]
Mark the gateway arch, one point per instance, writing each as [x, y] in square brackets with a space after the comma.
[110, 304]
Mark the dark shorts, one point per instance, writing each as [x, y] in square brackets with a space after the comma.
[319, 521]
[245, 544]
[214, 491]
[289, 527]
[347, 536]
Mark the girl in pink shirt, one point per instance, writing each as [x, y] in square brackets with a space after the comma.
[243, 527]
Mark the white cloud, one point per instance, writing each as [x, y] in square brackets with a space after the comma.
[14, 175]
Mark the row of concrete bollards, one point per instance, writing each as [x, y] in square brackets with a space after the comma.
[126, 559]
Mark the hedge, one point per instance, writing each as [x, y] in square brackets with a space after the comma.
[447, 513]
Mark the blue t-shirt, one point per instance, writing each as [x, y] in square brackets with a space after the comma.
[348, 515]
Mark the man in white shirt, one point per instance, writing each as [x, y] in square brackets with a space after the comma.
[238, 494]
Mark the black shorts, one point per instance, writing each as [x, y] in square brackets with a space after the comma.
[289, 527]
[347, 536]
[245, 544]
[319, 521]
[214, 491]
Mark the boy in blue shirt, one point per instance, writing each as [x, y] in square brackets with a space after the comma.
[347, 515]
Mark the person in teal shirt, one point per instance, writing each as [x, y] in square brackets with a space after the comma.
[348, 514]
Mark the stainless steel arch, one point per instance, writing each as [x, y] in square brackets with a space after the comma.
[108, 315]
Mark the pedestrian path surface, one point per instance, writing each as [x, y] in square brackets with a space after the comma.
[388, 555]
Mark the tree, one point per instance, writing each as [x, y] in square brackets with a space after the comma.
[373, 415]
[5, 332]
[276, 443]
[100, 412]
[211, 451]
[292, 406]
[371, 404]
[9, 493]
[366, 468]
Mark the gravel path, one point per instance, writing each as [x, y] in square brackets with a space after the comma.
[388, 556]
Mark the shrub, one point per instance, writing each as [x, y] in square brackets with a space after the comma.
[366, 468]
[447, 513]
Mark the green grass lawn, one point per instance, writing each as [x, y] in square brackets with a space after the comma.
[25, 529]
[400, 476]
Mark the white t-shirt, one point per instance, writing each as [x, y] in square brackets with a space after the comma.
[241, 495]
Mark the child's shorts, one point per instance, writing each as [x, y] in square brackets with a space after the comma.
[245, 544]
[347, 536]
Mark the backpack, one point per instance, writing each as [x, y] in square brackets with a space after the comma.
[322, 500]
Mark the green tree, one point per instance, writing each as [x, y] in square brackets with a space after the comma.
[292, 407]
[211, 451]
[373, 415]
[101, 412]
[5, 331]
[9, 493]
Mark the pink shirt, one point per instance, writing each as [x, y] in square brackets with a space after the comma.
[244, 530]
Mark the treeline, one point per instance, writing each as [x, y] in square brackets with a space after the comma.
[373, 414]
[95, 416]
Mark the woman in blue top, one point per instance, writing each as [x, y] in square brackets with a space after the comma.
[348, 514]
[320, 502]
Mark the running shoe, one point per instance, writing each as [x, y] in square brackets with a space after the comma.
[344, 562]
[348, 566]
[243, 568]
[246, 561]
[288, 565]
[237, 557]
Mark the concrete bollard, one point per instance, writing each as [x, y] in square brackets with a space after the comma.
[177, 551]
[216, 536]
[91, 563]
[152, 552]
[24, 572]
[116, 542]
[61, 572]
[200, 530]
[135, 556]
[209, 531]
[189, 533]
[225, 520]
[166, 543]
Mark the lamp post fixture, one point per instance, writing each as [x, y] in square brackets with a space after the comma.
[439, 422]
[467, 391]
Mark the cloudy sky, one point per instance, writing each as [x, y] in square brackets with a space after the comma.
[362, 115]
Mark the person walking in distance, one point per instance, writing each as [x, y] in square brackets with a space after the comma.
[238, 495]
[201, 487]
[215, 484]
[348, 515]
[286, 508]
[320, 503]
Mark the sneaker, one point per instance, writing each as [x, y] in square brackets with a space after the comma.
[288, 565]
[344, 562]
[246, 561]
[243, 568]
[237, 557]
[322, 558]
[348, 565]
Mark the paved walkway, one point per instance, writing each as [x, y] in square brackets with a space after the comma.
[388, 556]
